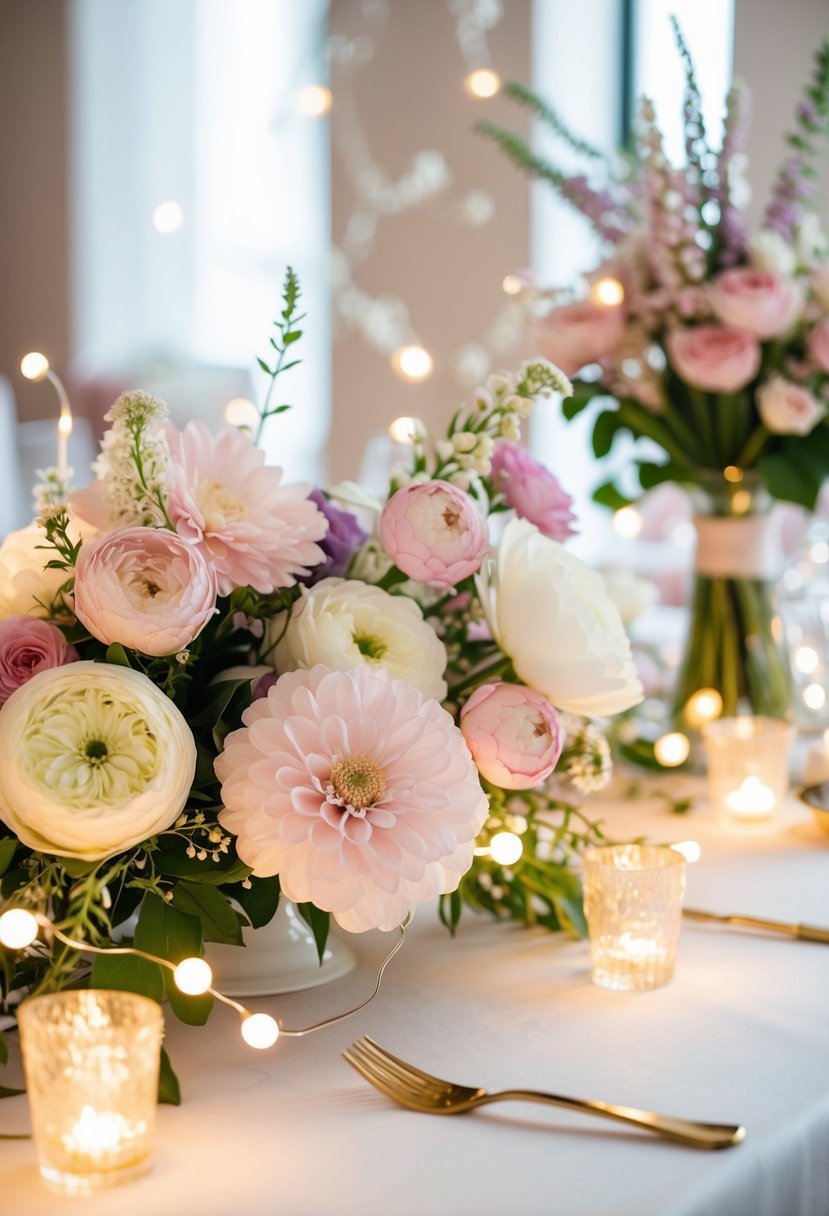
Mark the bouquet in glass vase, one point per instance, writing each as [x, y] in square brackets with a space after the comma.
[710, 344]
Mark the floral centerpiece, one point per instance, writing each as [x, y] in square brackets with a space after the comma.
[710, 343]
[217, 688]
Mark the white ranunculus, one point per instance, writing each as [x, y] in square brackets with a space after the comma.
[94, 759]
[767, 250]
[342, 622]
[787, 408]
[632, 595]
[24, 583]
[552, 615]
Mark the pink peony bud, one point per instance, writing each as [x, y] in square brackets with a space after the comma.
[28, 646]
[434, 533]
[532, 491]
[714, 358]
[514, 735]
[757, 301]
[145, 588]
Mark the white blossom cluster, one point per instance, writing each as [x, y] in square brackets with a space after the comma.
[51, 489]
[134, 460]
[586, 760]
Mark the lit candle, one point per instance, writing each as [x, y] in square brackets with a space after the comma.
[100, 1139]
[638, 949]
[753, 799]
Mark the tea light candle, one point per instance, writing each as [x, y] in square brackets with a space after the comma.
[748, 766]
[752, 799]
[98, 1137]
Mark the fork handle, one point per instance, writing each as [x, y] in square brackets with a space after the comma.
[687, 1131]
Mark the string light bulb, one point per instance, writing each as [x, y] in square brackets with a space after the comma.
[608, 292]
[505, 848]
[168, 217]
[407, 430]
[702, 707]
[193, 976]
[806, 659]
[34, 366]
[259, 1030]
[628, 522]
[689, 849]
[242, 413]
[512, 285]
[18, 928]
[413, 362]
[672, 749]
[814, 696]
[314, 100]
[482, 83]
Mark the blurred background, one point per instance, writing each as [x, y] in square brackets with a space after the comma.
[165, 159]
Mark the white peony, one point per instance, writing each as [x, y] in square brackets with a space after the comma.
[94, 759]
[632, 595]
[342, 622]
[24, 583]
[552, 615]
[767, 250]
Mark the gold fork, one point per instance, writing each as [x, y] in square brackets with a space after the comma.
[421, 1091]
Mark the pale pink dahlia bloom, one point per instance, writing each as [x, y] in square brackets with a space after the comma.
[532, 490]
[434, 533]
[251, 530]
[358, 791]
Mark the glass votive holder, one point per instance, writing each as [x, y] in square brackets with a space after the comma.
[748, 766]
[91, 1060]
[633, 903]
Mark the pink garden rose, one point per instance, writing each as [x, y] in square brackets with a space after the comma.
[434, 533]
[581, 333]
[146, 588]
[514, 735]
[532, 490]
[757, 301]
[714, 358]
[818, 344]
[222, 498]
[28, 646]
[787, 408]
[358, 791]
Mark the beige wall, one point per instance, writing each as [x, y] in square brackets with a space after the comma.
[34, 226]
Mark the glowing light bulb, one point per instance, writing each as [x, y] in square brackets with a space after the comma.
[819, 552]
[703, 706]
[814, 696]
[732, 473]
[628, 522]
[314, 100]
[482, 83]
[193, 976]
[806, 659]
[34, 366]
[505, 848]
[168, 217]
[412, 362]
[741, 502]
[18, 928]
[242, 413]
[608, 292]
[407, 430]
[512, 285]
[672, 749]
[259, 1030]
[689, 849]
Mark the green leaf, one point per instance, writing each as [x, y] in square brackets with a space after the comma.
[604, 432]
[174, 935]
[267, 370]
[76, 868]
[212, 874]
[8, 847]
[169, 1091]
[449, 910]
[7, 1092]
[609, 495]
[789, 478]
[217, 702]
[117, 654]
[317, 922]
[4, 1049]
[651, 474]
[218, 920]
[259, 901]
[128, 973]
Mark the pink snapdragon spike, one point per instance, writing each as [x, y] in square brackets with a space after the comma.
[714, 357]
[434, 533]
[532, 490]
[28, 646]
[358, 791]
[756, 301]
[514, 735]
[250, 528]
[146, 588]
[577, 334]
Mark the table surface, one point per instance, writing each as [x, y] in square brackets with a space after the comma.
[740, 1035]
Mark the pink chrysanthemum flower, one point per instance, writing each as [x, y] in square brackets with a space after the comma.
[250, 529]
[358, 791]
[532, 491]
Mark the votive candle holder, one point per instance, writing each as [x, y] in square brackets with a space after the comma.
[91, 1059]
[633, 902]
[748, 766]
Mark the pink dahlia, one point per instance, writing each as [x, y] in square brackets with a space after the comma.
[28, 646]
[358, 791]
[532, 491]
[250, 529]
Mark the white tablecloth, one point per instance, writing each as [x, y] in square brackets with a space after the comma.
[740, 1035]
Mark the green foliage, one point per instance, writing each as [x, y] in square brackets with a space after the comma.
[318, 923]
[169, 1091]
[288, 332]
[219, 922]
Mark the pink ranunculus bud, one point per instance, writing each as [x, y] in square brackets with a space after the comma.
[146, 588]
[818, 344]
[514, 735]
[714, 358]
[787, 408]
[28, 646]
[532, 491]
[577, 334]
[757, 301]
[434, 533]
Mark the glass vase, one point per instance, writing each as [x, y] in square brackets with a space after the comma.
[735, 636]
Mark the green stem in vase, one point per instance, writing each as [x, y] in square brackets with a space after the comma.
[754, 446]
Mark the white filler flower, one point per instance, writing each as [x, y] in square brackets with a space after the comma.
[94, 758]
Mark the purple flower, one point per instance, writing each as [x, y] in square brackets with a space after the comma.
[344, 536]
[532, 491]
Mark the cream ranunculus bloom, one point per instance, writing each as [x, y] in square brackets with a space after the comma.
[94, 758]
[24, 583]
[552, 615]
[342, 622]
